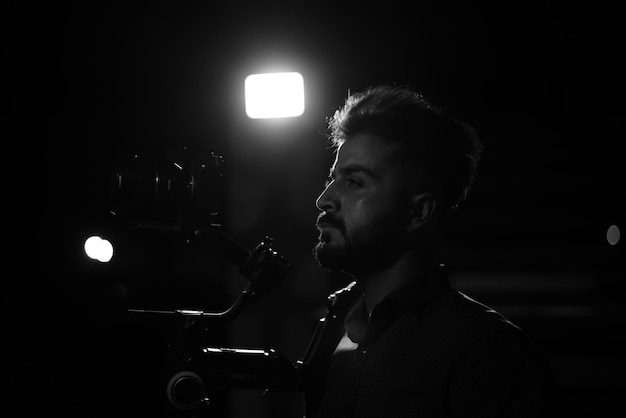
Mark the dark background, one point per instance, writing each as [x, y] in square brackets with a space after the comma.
[87, 81]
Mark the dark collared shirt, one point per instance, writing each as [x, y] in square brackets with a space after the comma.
[433, 353]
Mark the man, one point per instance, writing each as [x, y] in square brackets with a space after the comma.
[412, 347]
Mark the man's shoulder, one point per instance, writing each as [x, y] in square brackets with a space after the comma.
[465, 318]
[471, 310]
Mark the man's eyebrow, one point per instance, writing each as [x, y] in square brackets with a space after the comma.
[351, 169]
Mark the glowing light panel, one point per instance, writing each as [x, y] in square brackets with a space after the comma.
[98, 249]
[274, 95]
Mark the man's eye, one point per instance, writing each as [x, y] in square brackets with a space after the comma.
[352, 183]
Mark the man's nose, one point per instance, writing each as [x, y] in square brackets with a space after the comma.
[327, 201]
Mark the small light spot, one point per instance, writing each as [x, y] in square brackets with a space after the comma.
[613, 234]
[98, 249]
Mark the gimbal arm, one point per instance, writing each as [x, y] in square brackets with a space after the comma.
[263, 267]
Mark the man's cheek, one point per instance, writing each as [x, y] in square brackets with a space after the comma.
[361, 214]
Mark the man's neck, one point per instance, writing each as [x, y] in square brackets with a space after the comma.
[377, 285]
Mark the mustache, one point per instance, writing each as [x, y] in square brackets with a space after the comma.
[325, 218]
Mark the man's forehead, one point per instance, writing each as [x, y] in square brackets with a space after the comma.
[365, 150]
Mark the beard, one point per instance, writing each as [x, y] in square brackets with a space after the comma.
[367, 248]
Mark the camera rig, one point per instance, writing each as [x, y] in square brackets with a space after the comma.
[183, 194]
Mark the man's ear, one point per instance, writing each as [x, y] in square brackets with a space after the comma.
[422, 207]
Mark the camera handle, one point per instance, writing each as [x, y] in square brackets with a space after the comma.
[312, 368]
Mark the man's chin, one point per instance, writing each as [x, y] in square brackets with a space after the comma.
[330, 258]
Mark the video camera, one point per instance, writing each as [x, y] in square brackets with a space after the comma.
[182, 193]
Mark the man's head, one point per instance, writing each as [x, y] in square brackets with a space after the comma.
[400, 163]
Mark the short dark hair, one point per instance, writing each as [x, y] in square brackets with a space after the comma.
[443, 148]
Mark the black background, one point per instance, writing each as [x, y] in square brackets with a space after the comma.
[541, 81]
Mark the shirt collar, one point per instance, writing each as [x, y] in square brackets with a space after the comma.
[413, 296]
